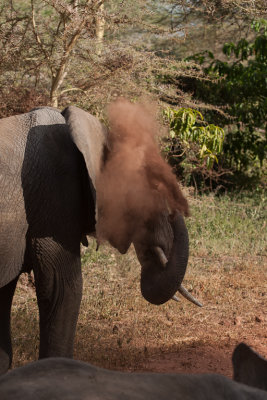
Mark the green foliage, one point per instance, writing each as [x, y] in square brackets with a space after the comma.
[192, 144]
[184, 127]
[241, 87]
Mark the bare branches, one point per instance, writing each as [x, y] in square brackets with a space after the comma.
[38, 39]
[69, 49]
[71, 21]
[61, 72]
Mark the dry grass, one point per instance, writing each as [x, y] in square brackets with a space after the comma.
[117, 328]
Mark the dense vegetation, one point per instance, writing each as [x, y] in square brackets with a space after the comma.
[238, 85]
[90, 52]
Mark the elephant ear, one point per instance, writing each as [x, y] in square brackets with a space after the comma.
[90, 137]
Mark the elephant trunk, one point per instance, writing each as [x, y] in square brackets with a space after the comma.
[159, 281]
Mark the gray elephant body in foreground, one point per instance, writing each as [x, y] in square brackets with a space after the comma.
[49, 165]
[61, 378]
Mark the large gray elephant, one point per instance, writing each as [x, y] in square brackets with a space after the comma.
[61, 378]
[49, 165]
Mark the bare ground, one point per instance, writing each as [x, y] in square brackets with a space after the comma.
[212, 357]
[117, 329]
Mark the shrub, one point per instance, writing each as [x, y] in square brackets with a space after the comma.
[239, 85]
[192, 146]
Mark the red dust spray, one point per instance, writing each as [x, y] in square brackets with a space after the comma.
[135, 183]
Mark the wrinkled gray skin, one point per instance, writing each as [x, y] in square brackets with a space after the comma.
[249, 367]
[61, 378]
[49, 162]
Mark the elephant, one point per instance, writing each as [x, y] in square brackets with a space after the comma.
[50, 163]
[249, 367]
[63, 378]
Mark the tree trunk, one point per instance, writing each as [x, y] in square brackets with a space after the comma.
[58, 79]
[99, 29]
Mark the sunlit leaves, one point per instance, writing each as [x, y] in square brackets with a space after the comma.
[240, 85]
[185, 126]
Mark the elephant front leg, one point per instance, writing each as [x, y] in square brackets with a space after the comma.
[58, 283]
[6, 296]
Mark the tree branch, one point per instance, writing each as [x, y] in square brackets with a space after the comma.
[38, 39]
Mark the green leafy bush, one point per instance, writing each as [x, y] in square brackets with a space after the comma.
[192, 146]
[239, 86]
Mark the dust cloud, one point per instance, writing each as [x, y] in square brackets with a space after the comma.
[135, 183]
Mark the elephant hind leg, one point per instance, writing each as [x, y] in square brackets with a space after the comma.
[6, 297]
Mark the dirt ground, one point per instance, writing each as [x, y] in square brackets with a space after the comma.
[117, 329]
[214, 354]
[122, 331]
[202, 358]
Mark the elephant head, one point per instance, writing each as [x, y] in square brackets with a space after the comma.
[137, 198]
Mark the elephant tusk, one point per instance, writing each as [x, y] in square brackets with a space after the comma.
[160, 253]
[189, 296]
[175, 298]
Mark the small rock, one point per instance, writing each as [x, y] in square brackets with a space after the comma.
[237, 321]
